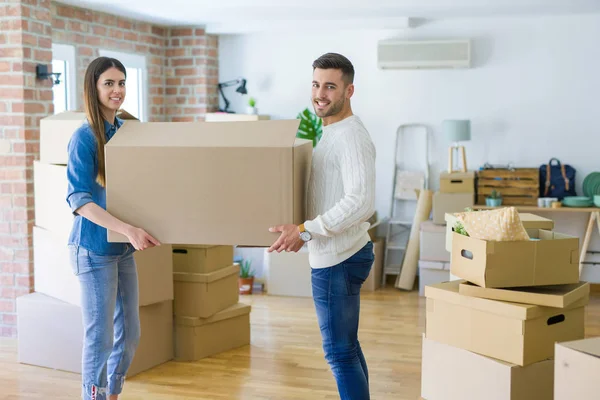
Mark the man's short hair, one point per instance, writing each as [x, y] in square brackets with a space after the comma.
[336, 61]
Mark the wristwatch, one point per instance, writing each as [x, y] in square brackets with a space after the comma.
[304, 234]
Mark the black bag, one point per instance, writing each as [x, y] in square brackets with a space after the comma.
[557, 180]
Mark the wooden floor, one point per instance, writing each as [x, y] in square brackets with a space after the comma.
[284, 361]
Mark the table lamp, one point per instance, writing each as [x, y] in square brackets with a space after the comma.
[457, 130]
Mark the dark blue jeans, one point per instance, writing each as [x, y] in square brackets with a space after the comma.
[336, 293]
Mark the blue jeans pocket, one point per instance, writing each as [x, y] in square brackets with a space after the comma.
[358, 267]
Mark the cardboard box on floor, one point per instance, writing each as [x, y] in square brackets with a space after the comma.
[51, 334]
[451, 373]
[208, 183]
[196, 338]
[373, 281]
[203, 295]
[457, 182]
[531, 223]
[50, 191]
[432, 245]
[431, 272]
[576, 371]
[53, 273]
[517, 333]
[552, 260]
[200, 259]
[450, 203]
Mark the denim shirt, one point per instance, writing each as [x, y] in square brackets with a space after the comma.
[82, 169]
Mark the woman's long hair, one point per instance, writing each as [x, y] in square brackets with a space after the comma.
[92, 107]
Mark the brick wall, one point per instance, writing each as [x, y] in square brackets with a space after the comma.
[182, 78]
[24, 41]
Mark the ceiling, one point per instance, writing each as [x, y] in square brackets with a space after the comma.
[244, 16]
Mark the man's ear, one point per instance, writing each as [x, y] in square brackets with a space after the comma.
[349, 90]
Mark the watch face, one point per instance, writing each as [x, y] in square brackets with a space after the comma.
[305, 236]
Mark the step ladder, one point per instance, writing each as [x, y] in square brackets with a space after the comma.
[405, 192]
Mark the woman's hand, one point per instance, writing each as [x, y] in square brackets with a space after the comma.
[140, 239]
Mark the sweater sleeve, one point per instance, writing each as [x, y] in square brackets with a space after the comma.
[357, 166]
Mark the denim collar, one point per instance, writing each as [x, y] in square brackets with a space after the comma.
[110, 129]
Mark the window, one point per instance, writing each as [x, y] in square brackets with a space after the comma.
[135, 100]
[63, 61]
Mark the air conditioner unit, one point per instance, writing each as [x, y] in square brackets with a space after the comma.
[410, 54]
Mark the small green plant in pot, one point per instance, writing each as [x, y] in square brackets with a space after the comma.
[494, 199]
[252, 106]
[246, 279]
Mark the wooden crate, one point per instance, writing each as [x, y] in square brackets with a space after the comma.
[520, 186]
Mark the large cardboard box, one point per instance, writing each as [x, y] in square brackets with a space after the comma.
[451, 373]
[431, 272]
[53, 274]
[208, 183]
[232, 117]
[576, 371]
[531, 223]
[551, 260]
[558, 296]
[51, 334]
[457, 182]
[450, 203]
[196, 338]
[200, 259]
[520, 334]
[203, 295]
[433, 243]
[50, 192]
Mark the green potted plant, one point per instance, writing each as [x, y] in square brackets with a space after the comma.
[246, 279]
[252, 106]
[311, 126]
[494, 199]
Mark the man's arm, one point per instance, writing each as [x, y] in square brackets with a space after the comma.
[357, 165]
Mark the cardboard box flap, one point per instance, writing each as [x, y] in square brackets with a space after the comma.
[559, 296]
[206, 278]
[275, 133]
[231, 312]
[449, 292]
[122, 114]
[590, 346]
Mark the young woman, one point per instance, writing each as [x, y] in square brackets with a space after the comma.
[106, 271]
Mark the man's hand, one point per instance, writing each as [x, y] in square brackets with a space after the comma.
[289, 240]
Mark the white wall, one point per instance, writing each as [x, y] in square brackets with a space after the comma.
[531, 94]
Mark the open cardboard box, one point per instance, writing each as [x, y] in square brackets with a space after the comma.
[551, 260]
[207, 183]
[520, 334]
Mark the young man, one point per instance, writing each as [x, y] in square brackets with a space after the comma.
[341, 198]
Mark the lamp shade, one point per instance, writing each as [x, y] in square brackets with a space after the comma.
[457, 130]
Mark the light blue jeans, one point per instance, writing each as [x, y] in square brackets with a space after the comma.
[111, 322]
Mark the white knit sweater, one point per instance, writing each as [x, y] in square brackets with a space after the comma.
[341, 192]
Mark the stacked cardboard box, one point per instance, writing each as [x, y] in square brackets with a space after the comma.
[576, 370]
[54, 308]
[434, 259]
[492, 334]
[457, 192]
[208, 316]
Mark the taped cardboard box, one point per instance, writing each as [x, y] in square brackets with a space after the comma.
[53, 273]
[558, 296]
[51, 334]
[551, 260]
[208, 183]
[451, 373]
[457, 182]
[531, 223]
[517, 333]
[197, 338]
[576, 371]
[203, 295]
[201, 259]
